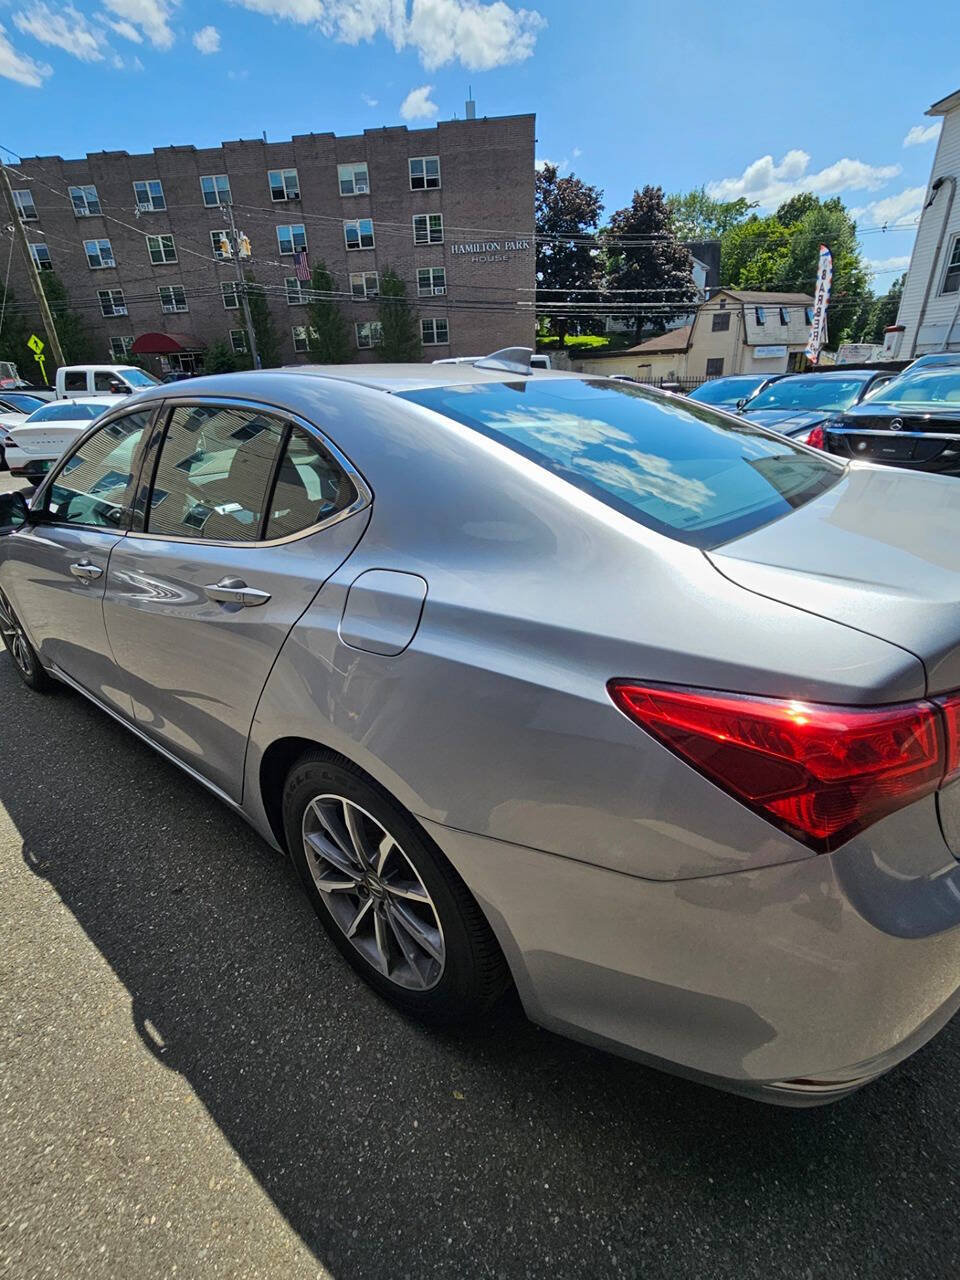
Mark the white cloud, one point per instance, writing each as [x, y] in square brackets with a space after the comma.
[122, 28]
[20, 68]
[901, 210]
[371, 102]
[885, 266]
[920, 134]
[240, 74]
[561, 166]
[417, 105]
[576, 153]
[65, 28]
[769, 182]
[478, 35]
[151, 17]
[207, 40]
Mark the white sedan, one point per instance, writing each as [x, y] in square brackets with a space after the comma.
[34, 446]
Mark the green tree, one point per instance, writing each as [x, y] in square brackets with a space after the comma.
[219, 358]
[646, 263]
[263, 327]
[327, 329]
[697, 216]
[399, 321]
[568, 261]
[75, 340]
[882, 312]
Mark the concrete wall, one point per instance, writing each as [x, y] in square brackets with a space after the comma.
[487, 196]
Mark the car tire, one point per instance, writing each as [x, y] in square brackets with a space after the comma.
[24, 656]
[421, 940]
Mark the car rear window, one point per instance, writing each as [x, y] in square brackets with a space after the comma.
[675, 466]
[68, 411]
[813, 391]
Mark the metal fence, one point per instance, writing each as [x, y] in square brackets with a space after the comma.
[674, 384]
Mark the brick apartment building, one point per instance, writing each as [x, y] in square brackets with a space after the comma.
[135, 238]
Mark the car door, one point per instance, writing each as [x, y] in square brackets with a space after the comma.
[54, 569]
[247, 514]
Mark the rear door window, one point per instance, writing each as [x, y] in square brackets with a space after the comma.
[310, 487]
[75, 381]
[674, 465]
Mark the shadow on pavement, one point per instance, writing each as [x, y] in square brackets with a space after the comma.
[399, 1151]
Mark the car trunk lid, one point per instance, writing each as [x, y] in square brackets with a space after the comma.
[47, 439]
[917, 440]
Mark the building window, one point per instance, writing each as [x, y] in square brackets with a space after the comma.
[220, 244]
[808, 312]
[760, 314]
[294, 288]
[721, 321]
[715, 365]
[424, 173]
[369, 334]
[358, 234]
[434, 333]
[292, 239]
[161, 249]
[120, 349]
[25, 206]
[284, 184]
[149, 196]
[112, 302]
[428, 228]
[302, 337]
[354, 179]
[238, 340]
[784, 315]
[86, 202]
[431, 280]
[215, 189]
[99, 254]
[172, 297]
[365, 284]
[951, 281]
[41, 257]
[231, 298]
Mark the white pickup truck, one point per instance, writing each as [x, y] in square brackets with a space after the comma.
[101, 380]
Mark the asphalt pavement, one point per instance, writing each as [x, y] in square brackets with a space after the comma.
[193, 1084]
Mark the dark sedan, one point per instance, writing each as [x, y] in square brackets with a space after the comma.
[729, 392]
[796, 404]
[914, 421]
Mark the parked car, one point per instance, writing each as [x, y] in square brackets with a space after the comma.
[934, 359]
[37, 441]
[14, 408]
[101, 380]
[732, 391]
[546, 677]
[797, 403]
[913, 422]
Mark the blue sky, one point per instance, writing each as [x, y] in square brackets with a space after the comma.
[748, 98]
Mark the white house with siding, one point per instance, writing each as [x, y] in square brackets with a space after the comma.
[929, 315]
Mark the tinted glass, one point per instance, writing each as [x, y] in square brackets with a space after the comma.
[932, 386]
[675, 466]
[814, 391]
[75, 381]
[310, 487]
[93, 486]
[212, 476]
[139, 378]
[20, 403]
[725, 390]
[68, 411]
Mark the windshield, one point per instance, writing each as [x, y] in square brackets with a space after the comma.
[931, 386]
[18, 400]
[675, 466]
[813, 391]
[139, 378]
[726, 390]
[64, 411]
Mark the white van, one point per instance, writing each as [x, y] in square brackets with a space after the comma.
[101, 380]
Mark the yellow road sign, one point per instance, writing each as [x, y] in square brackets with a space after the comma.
[35, 345]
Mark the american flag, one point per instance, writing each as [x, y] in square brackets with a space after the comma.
[302, 266]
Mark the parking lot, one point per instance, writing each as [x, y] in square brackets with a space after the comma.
[192, 1081]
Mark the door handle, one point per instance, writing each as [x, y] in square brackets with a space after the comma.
[236, 591]
[85, 570]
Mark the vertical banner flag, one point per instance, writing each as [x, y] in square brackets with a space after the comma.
[821, 297]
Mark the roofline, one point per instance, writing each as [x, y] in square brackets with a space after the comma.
[944, 105]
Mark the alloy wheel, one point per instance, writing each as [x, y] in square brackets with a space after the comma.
[14, 637]
[373, 892]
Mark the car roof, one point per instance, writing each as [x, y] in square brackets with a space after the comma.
[105, 401]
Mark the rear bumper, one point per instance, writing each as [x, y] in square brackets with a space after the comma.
[796, 983]
[21, 463]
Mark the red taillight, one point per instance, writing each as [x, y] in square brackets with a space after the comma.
[815, 438]
[821, 773]
[950, 706]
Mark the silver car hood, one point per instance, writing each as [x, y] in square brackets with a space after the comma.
[880, 552]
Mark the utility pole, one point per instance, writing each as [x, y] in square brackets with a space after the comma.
[241, 283]
[35, 280]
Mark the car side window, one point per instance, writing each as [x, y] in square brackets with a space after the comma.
[108, 382]
[76, 381]
[310, 487]
[215, 468]
[94, 485]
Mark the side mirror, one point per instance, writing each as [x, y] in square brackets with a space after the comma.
[13, 511]
[119, 389]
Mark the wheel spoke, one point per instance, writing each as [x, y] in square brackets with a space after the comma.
[384, 850]
[400, 889]
[336, 831]
[380, 934]
[324, 848]
[421, 934]
[409, 950]
[358, 918]
[361, 849]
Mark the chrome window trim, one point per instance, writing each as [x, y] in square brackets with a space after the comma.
[364, 492]
[889, 434]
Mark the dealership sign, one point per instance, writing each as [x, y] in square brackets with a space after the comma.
[490, 250]
[821, 299]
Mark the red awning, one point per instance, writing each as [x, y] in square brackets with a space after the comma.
[162, 344]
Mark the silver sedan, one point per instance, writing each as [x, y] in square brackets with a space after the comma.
[542, 679]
